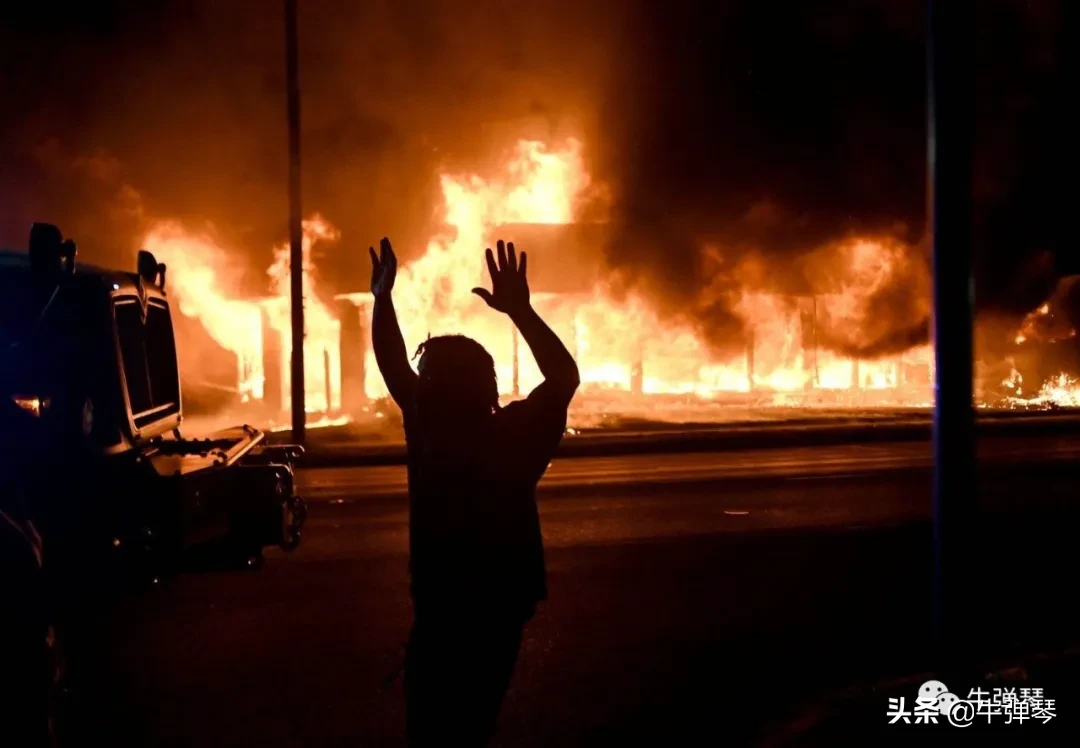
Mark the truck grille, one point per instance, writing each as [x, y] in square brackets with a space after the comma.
[148, 353]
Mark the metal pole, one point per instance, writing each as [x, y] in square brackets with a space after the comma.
[326, 378]
[296, 247]
[514, 342]
[950, 135]
[273, 369]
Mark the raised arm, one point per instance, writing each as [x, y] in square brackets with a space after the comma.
[510, 295]
[386, 338]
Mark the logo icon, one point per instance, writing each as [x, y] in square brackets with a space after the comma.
[935, 703]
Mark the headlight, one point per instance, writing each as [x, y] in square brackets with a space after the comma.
[32, 404]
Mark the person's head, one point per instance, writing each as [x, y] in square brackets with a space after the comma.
[457, 380]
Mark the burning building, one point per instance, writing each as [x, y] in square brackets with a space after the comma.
[251, 333]
[850, 332]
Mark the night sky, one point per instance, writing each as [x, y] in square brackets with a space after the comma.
[768, 127]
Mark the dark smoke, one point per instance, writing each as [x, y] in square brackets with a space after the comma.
[187, 99]
[761, 130]
[792, 126]
[788, 128]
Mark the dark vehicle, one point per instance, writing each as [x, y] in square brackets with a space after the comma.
[113, 484]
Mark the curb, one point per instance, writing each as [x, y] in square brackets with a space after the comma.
[738, 437]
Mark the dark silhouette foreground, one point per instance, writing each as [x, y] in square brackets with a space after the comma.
[25, 671]
[476, 554]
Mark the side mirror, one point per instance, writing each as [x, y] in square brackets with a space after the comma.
[150, 270]
[51, 255]
[147, 267]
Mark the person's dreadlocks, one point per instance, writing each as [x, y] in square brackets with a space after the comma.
[459, 368]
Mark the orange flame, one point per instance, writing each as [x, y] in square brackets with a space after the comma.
[434, 295]
[613, 338]
[621, 342]
[1014, 382]
[204, 282]
[321, 326]
[1043, 325]
[1061, 391]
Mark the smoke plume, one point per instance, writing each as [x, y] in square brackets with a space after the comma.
[739, 139]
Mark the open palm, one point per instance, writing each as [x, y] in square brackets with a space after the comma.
[383, 268]
[509, 288]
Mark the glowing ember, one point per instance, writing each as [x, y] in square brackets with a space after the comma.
[1061, 391]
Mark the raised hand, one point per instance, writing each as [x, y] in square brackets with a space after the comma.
[509, 288]
[383, 268]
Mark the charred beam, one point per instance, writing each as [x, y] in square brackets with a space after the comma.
[353, 351]
[273, 395]
[326, 379]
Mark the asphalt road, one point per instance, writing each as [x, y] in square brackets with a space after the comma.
[706, 596]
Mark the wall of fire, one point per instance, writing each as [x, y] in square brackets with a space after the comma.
[626, 363]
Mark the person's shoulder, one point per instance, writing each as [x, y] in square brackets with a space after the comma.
[517, 406]
[533, 413]
[530, 409]
[513, 412]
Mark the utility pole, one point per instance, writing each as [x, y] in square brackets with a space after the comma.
[296, 237]
[516, 362]
[950, 160]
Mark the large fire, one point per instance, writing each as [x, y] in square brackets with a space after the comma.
[622, 343]
[204, 281]
[625, 349]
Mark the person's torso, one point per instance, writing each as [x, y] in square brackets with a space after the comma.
[473, 522]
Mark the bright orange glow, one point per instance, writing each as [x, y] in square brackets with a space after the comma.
[1062, 391]
[1042, 324]
[609, 337]
[624, 347]
[1014, 382]
[322, 330]
[202, 280]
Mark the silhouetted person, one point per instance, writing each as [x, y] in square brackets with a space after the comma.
[476, 555]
